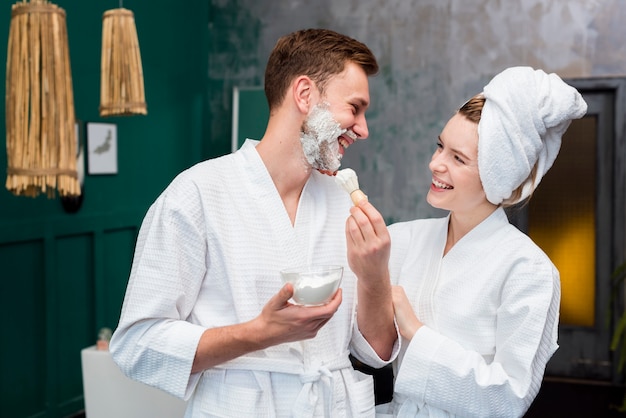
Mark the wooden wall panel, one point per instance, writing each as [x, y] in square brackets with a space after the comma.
[118, 247]
[74, 323]
[60, 283]
[23, 342]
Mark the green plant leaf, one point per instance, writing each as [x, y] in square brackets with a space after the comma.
[618, 333]
[619, 274]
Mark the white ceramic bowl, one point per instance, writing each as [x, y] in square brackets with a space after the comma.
[313, 285]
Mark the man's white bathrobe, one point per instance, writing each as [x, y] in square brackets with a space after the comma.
[490, 308]
[209, 254]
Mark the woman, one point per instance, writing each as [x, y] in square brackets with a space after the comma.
[476, 301]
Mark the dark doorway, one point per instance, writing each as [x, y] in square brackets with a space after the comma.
[577, 216]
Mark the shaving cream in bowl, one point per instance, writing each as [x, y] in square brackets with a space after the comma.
[313, 285]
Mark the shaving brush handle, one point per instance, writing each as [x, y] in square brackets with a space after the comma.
[357, 195]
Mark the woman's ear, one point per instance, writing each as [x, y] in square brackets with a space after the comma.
[303, 90]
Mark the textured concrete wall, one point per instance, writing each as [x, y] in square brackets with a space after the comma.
[434, 55]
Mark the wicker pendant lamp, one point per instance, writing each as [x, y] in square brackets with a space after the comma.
[121, 74]
[40, 120]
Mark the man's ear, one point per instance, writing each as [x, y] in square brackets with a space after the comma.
[303, 90]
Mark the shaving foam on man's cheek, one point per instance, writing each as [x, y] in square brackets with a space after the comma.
[319, 139]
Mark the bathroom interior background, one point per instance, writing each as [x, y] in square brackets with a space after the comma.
[63, 275]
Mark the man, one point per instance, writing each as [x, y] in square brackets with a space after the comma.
[205, 316]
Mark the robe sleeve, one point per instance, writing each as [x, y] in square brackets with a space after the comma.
[359, 345]
[153, 343]
[439, 372]
[362, 350]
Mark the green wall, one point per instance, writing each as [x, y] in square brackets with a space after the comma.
[63, 276]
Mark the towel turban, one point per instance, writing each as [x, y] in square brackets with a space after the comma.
[526, 112]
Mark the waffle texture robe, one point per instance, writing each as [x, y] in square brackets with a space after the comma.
[490, 312]
[209, 254]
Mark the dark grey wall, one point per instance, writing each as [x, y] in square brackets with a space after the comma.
[434, 55]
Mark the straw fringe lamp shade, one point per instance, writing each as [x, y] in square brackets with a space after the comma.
[40, 120]
[121, 76]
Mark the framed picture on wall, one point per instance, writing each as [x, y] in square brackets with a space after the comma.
[101, 148]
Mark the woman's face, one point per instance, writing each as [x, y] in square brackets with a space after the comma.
[456, 185]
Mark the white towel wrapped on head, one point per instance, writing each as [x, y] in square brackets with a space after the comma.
[525, 114]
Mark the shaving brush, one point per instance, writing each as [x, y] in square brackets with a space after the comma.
[347, 179]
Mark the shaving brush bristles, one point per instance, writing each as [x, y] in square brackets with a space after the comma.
[348, 179]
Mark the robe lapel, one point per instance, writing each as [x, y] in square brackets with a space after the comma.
[425, 309]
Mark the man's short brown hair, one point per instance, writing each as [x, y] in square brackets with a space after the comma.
[316, 53]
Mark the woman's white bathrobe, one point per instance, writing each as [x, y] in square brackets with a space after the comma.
[208, 254]
[490, 308]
